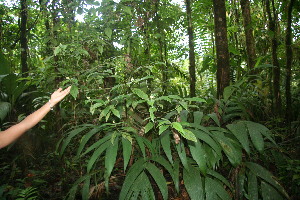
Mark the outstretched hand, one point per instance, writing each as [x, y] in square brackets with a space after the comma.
[59, 94]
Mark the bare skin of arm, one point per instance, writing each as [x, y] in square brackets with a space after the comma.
[11, 134]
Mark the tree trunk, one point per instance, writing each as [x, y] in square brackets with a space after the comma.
[289, 59]
[250, 42]
[192, 65]
[276, 67]
[23, 38]
[161, 42]
[223, 68]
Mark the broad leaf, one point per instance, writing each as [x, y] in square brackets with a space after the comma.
[149, 126]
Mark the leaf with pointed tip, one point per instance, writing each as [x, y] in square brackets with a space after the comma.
[240, 132]
[255, 135]
[115, 112]
[110, 159]
[198, 117]
[199, 155]
[126, 151]
[135, 170]
[182, 154]
[266, 175]
[149, 126]
[141, 144]
[178, 127]
[159, 179]
[97, 144]
[252, 186]
[163, 128]
[193, 183]
[219, 177]
[86, 138]
[166, 145]
[140, 93]
[97, 154]
[203, 136]
[214, 117]
[71, 134]
[269, 193]
[233, 152]
[215, 190]
[86, 188]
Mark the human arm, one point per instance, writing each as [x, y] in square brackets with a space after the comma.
[14, 132]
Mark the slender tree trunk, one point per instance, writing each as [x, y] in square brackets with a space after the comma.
[23, 38]
[250, 42]
[223, 68]
[289, 59]
[192, 61]
[161, 42]
[276, 68]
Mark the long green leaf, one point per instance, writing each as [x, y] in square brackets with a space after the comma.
[215, 189]
[131, 176]
[219, 177]
[160, 160]
[233, 152]
[178, 127]
[193, 183]
[198, 117]
[141, 144]
[97, 154]
[71, 134]
[86, 188]
[255, 135]
[269, 193]
[208, 140]
[252, 186]
[182, 154]
[149, 126]
[72, 192]
[166, 145]
[215, 118]
[97, 144]
[199, 155]
[240, 132]
[265, 175]
[126, 152]
[140, 93]
[159, 179]
[189, 135]
[110, 159]
[86, 138]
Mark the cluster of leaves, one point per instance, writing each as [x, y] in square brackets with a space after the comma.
[165, 139]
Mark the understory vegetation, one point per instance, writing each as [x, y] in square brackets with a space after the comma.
[139, 123]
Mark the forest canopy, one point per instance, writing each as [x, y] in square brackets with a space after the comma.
[194, 99]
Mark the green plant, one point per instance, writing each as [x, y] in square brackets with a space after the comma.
[162, 139]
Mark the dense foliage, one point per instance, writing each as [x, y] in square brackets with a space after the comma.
[143, 121]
